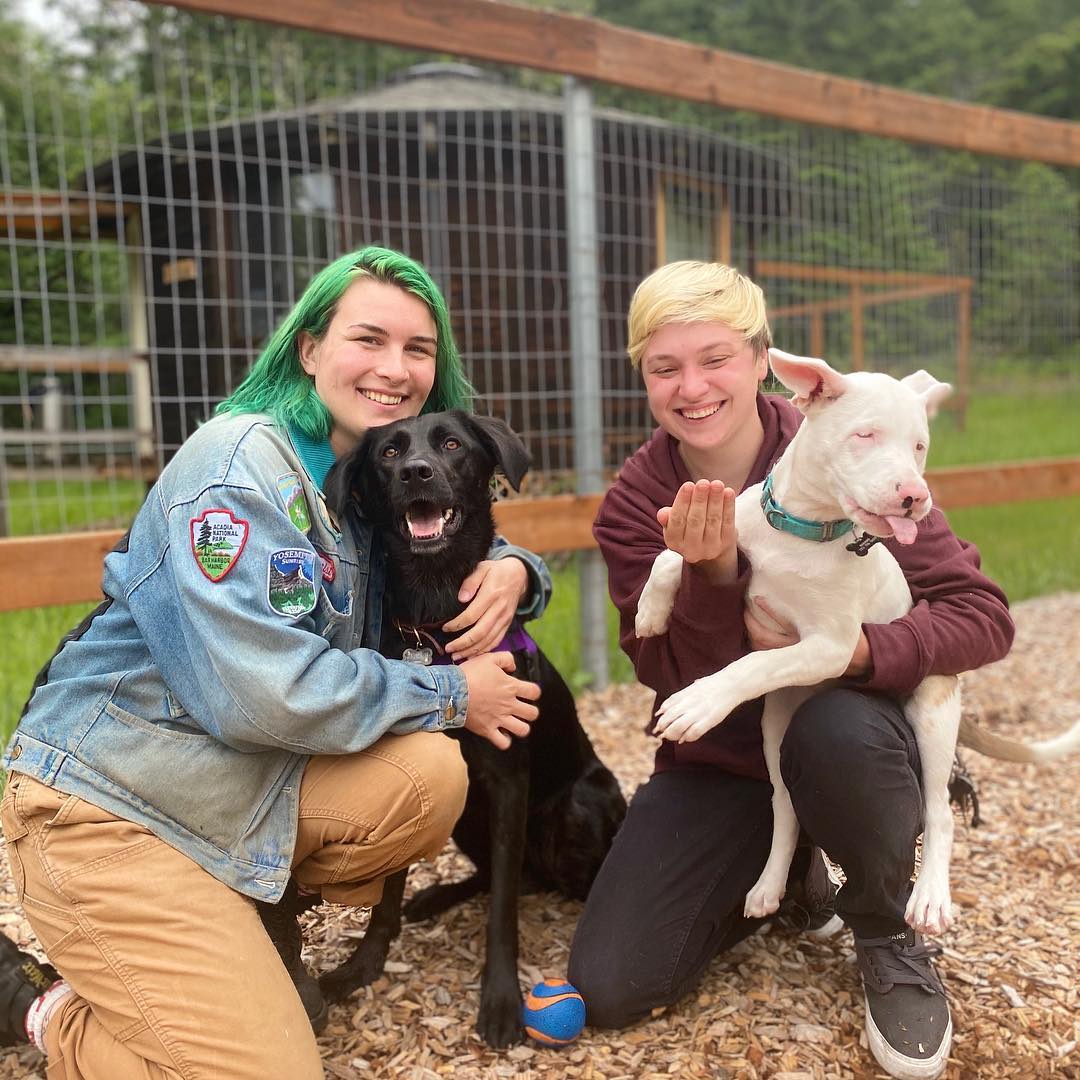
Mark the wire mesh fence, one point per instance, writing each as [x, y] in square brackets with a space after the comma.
[170, 191]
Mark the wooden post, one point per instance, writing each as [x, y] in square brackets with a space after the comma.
[857, 349]
[963, 351]
[817, 333]
[723, 226]
[661, 219]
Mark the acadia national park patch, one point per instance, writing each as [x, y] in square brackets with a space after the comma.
[291, 582]
[217, 538]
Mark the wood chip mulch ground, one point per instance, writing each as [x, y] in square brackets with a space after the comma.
[778, 1006]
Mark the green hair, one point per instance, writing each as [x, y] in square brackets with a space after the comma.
[279, 386]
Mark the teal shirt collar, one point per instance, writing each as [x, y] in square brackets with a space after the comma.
[780, 519]
[317, 456]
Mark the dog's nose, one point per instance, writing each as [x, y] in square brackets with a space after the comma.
[912, 495]
[417, 469]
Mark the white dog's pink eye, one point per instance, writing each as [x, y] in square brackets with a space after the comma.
[864, 434]
[920, 447]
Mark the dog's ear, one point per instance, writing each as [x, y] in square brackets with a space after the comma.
[812, 381]
[932, 392]
[501, 442]
[341, 480]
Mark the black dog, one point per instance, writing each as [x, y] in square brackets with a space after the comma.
[541, 813]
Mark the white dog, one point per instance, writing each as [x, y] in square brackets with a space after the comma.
[858, 457]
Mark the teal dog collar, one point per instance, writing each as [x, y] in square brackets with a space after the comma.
[780, 519]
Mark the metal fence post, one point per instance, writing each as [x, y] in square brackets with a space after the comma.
[584, 273]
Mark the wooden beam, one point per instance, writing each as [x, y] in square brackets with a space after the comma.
[93, 361]
[591, 49]
[61, 569]
[987, 485]
[554, 523]
[855, 276]
[866, 299]
[26, 213]
[66, 569]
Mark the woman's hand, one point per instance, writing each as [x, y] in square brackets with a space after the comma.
[700, 526]
[767, 630]
[499, 704]
[492, 592]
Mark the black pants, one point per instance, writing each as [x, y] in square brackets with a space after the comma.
[669, 897]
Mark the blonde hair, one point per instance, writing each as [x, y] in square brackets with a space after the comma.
[689, 291]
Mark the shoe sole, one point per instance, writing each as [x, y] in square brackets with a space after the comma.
[835, 923]
[828, 930]
[899, 1066]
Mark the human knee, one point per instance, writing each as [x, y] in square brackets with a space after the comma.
[614, 998]
[834, 734]
[441, 782]
[294, 1054]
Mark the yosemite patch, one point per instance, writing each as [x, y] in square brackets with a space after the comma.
[217, 538]
[291, 581]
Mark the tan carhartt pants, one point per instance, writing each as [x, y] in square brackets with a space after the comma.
[173, 973]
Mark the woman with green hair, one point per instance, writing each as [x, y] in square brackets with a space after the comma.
[222, 729]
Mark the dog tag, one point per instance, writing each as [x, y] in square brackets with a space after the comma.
[418, 656]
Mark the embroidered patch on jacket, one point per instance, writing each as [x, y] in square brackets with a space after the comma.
[217, 538]
[329, 570]
[292, 495]
[291, 582]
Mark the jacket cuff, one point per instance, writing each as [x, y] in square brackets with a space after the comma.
[538, 592]
[451, 702]
[898, 665]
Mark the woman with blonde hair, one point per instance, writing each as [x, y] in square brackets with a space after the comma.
[669, 897]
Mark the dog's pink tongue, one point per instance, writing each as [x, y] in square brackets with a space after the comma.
[425, 522]
[904, 529]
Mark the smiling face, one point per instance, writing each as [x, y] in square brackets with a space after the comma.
[376, 361]
[701, 379]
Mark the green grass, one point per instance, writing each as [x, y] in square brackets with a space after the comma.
[1036, 423]
[53, 505]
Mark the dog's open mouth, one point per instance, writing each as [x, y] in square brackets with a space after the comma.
[428, 523]
[905, 529]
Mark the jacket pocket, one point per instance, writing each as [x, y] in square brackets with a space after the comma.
[334, 624]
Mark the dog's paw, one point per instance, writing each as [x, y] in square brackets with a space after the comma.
[763, 899]
[361, 969]
[658, 596]
[929, 909]
[651, 620]
[690, 713]
[499, 1022]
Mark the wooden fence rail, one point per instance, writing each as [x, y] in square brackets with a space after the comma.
[66, 569]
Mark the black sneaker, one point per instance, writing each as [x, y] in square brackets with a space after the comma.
[281, 921]
[811, 909]
[22, 978]
[907, 1013]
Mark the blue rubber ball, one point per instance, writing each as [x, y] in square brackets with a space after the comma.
[554, 1013]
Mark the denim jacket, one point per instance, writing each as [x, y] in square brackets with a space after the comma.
[237, 638]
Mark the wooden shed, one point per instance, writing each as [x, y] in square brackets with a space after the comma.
[456, 168]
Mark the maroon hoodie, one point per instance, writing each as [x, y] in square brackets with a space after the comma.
[960, 619]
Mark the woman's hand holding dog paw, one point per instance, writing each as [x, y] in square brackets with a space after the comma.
[499, 704]
[700, 526]
[493, 592]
